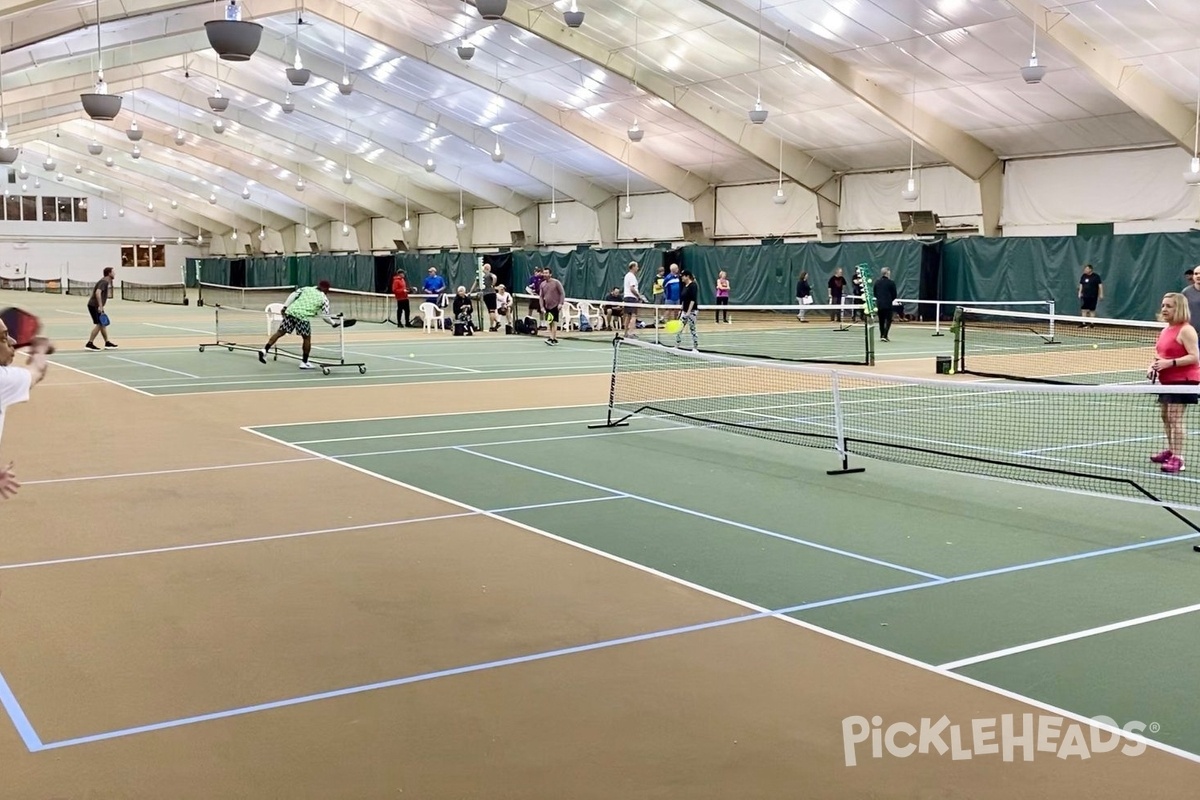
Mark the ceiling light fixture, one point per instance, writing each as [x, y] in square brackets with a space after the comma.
[134, 134]
[465, 50]
[574, 17]
[780, 198]
[99, 104]
[1192, 176]
[627, 211]
[180, 137]
[137, 152]
[1033, 72]
[297, 75]
[497, 153]
[635, 133]
[287, 106]
[491, 9]
[48, 164]
[758, 114]
[219, 126]
[909, 193]
[232, 38]
[95, 148]
[429, 165]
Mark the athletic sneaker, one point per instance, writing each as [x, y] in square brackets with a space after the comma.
[262, 356]
[109, 344]
[1173, 464]
[91, 346]
[1161, 458]
[306, 365]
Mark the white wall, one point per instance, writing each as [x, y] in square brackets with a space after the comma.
[751, 212]
[871, 201]
[657, 217]
[577, 224]
[493, 227]
[437, 232]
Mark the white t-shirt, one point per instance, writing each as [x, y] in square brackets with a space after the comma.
[631, 285]
[14, 388]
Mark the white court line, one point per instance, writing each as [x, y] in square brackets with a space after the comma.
[151, 473]
[807, 626]
[155, 366]
[405, 360]
[522, 410]
[72, 313]
[177, 328]
[269, 378]
[538, 440]
[58, 363]
[295, 535]
[1070, 637]
[449, 431]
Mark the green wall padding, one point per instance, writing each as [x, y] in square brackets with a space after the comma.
[1137, 270]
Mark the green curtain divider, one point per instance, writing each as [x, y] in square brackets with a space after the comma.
[1137, 270]
[267, 271]
[214, 270]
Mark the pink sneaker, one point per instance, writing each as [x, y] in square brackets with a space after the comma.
[1161, 458]
[1173, 464]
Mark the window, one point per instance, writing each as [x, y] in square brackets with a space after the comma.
[158, 255]
[127, 255]
[49, 209]
[29, 208]
[65, 209]
[143, 255]
[12, 207]
[81, 206]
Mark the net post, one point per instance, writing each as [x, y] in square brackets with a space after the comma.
[1051, 304]
[839, 431]
[937, 318]
[612, 391]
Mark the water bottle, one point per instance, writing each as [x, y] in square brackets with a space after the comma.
[232, 12]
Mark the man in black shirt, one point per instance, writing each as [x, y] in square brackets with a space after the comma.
[837, 287]
[885, 302]
[689, 304]
[95, 308]
[1091, 291]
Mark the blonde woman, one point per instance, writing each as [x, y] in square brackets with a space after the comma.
[722, 296]
[1176, 363]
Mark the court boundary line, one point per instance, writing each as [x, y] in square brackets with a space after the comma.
[1070, 637]
[155, 472]
[94, 376]
[153, 366]
[275, 537]
[758, 612]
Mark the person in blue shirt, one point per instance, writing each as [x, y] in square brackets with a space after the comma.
[672, 289]
[435, 287]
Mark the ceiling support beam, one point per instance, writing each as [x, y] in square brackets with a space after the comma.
[1122, 78]
[963, 151]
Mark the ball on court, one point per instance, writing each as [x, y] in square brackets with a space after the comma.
[412, 355]
[1095, 347]
[674, 326]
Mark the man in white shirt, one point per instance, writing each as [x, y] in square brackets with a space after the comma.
[632, 294]
[15, 383]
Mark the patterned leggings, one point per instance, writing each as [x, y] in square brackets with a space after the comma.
[690, 319]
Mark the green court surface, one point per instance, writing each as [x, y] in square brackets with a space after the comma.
[159, 353]
[948, 569]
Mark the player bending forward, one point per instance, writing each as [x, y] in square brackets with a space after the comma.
[298, 311]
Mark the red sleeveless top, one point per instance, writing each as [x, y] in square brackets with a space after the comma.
[1168, 347]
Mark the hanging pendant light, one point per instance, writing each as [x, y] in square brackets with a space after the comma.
[232, 38]
[95, 148]
[780, 198]
[180, 137]
[134, 134]
[909, 193]
[297, 75]
[574, 17]
[758, 114]
[465, 50]
[491, 9]
[1033, 72]
[219, 126]
[627, 211]
[429, 165]
[137, 152]
[1192, 176]
[99, 104]
[497, 153]
[48, 165]
[287, 106]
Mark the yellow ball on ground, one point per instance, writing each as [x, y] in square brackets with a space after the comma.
[1095, 347]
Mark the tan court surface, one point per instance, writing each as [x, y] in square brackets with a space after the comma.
[165, 572]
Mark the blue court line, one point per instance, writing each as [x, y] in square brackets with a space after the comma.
[17, 715]
[702, 515]
[35, 744]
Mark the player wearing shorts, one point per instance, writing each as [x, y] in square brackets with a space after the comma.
[552, 296]
[1091, 292]
[298, 311]
[95, 307]
[1176, 363]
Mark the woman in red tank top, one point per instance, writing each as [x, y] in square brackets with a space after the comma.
[1176, 363]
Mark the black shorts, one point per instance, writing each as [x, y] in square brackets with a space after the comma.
[489, 302]
[95, 312]
[1088, 303]
[552, 314]
[1179, 399]
[291, 324]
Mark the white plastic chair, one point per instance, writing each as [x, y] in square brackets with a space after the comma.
[432, 316]
[592, 315]
[569, 316]
[274, 316]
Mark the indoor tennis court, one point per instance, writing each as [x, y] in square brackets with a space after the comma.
[400, 572]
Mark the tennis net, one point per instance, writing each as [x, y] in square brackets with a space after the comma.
[805, 333]
[1048, 348]
[249, 329]
[250, 298]
[80, 288]
[1094, 440]
[167, 293]
[14, 284]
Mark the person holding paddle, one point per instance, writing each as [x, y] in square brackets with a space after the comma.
[298, 311]
[95, 308]
[18, 329]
